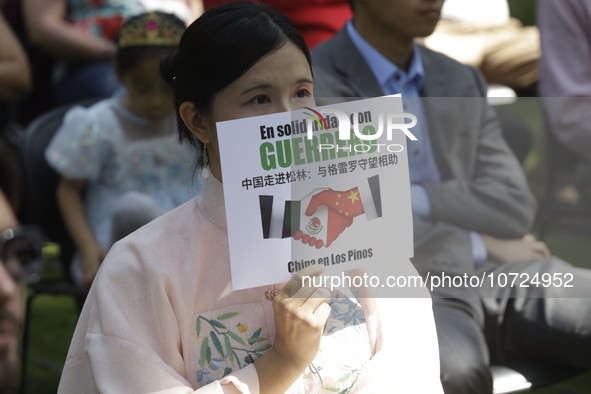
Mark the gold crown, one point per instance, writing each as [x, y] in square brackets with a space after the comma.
[150, 30]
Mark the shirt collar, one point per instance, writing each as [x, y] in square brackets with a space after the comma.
[382, 68]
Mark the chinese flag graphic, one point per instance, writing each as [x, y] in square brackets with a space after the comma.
[321, 216]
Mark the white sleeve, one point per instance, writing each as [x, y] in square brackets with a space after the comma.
[128, 338]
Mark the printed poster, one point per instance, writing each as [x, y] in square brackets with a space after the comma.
[337, 196]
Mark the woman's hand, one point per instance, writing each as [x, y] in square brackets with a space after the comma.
[92, 257]
[299, 322]
[300, 318]
[512, 250]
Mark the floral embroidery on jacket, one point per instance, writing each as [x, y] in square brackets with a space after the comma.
[346, 324]
[225, 345]
[345, 382]
[344, 312]
[228, 340]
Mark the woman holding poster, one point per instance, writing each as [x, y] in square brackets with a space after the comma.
[161, 315]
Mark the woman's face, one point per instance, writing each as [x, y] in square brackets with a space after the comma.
[281, 81]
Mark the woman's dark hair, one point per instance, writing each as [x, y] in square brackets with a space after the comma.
[128, 56]
[220, 46]
[352, 5]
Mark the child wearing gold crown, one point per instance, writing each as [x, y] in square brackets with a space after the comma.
[122, 151]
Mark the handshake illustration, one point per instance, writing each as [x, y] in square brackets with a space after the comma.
[327, 213]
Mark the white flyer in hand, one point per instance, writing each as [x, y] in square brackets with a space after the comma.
[325, 185]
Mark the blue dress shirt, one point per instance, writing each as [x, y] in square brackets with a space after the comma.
[421, 161]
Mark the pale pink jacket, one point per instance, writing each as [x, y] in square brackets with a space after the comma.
[138, 331]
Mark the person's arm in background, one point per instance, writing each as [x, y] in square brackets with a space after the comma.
[71, 206]
[484, 246]
[514, 250]
[77, 152]
[15, 72]
[48, 28]
[565, 74]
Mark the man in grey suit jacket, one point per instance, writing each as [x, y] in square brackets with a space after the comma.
[471, 201]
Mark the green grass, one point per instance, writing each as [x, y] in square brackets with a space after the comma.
[53, 322]
[574, 248]
[524, 10]
[578, 385]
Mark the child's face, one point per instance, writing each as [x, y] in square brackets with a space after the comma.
[148, 96]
